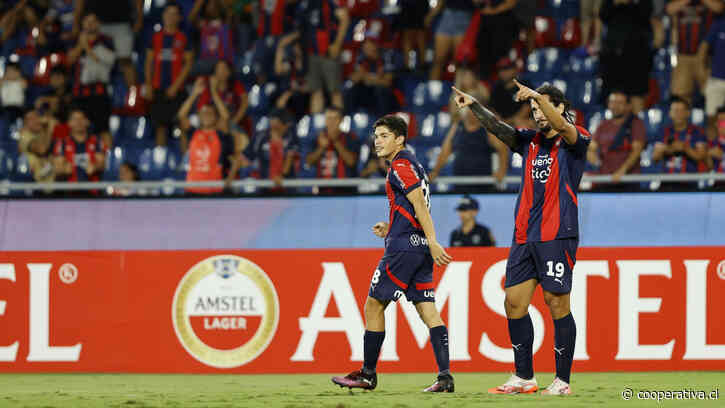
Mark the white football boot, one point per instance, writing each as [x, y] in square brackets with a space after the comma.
[557, 387]
[516, 385]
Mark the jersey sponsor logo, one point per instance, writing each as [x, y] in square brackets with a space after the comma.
[398, 294]
[541, 168]
[429, 294]
[476, 239]
[225, 311]
[417, 240]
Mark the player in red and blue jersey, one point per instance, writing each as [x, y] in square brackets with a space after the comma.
[546, 230]
[406, 268]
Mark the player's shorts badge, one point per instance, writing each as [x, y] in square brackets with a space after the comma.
[225, 311]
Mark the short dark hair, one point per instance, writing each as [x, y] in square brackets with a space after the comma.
[720, 110]
[678, 99]
[556, 96]
[621, 92]
[172, 4]
[395, 123]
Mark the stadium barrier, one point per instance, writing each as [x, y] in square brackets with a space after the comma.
[246, 184]
[299, 311]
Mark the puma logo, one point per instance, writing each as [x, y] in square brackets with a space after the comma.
[559, 351]
[559, 280]
[516, 346]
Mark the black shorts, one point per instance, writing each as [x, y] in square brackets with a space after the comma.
[163, 109]
[551, 263]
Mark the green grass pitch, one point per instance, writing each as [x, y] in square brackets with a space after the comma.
[304, 390]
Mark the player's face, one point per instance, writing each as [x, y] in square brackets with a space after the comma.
[618, 104]
[386, 142]
[539, 116]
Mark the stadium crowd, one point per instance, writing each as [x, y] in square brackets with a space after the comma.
[203, 90]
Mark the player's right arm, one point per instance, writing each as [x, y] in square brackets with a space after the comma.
[503, 131]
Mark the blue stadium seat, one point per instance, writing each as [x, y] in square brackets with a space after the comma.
[595, 118]
[7, 164]
[361, 124]
[654, 120]
[432, 129]
[431, 96]
[698, 117]
[584, 94]
[586, 67]
[22, 173]
[663, 82]
[134, 131]
[662, 60]
[114, 159]
[549, 60]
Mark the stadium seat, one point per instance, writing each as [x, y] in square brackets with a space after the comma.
[114, 159]
[134, 131]
[654, 120]
[22, 173]
[546, 32]
[7, 163]
[41, 73]
[433, 128]
[584, 94]
[585, 67]
[431, 96]
[698, 117]
[571, 35]
[596, 118]
[546, 61]
[662, 60]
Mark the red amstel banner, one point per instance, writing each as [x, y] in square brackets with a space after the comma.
[292, 311]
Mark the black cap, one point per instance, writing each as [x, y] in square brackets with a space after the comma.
[467, 203]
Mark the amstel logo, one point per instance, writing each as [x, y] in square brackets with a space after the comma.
[225, 311]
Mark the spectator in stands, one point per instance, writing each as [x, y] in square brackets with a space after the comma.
[275, 150]
[12, 92]
[212, 155]
[470, 233]
[691, 22]
[591, 25]
[128, 173]
[35, 143]
[23, 13]
[324, 26]
[516, 113]
[497, 33]
[372, 81]
[58, 98]
[94, 57]
[120, 20]
[276, 19]
[290, 71]
[618, 142]
[375, 166]
[168, 62]
[467, 81]
[212, 19]
[455, 16]
[411, 22]
[714, 46]
[682, 145]
[337, 152]
[232, 93]
[60, 20]
[626, 57]
[473, 148]
[81, 156]
[716, 145]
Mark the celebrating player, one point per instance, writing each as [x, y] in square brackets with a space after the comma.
[546, 231]
[407, 265]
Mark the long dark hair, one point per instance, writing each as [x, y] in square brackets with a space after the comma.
[556, 96]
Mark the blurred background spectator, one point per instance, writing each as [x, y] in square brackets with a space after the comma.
[35, 143]
[714, 47]
[682, 145]
[81, 156]
[470, 233]
[336, 153]
[274, 151]
[12, 92]
[618, 142]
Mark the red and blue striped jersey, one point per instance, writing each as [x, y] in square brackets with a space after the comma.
[693, 23]
[168, 57]
[216, 41]
[405, 175]
[547, 207]
[319, 25]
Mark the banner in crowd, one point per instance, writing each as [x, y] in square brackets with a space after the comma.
[295, 311]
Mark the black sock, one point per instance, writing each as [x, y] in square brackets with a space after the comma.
[521, 332]
[564, 341]
[372, 344]
[439, 340]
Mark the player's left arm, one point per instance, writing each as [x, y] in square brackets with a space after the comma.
[417, 198]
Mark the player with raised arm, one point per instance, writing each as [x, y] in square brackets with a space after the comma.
[406, 268]
[546, 233]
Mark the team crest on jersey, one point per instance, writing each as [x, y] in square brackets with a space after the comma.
[225, 311]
